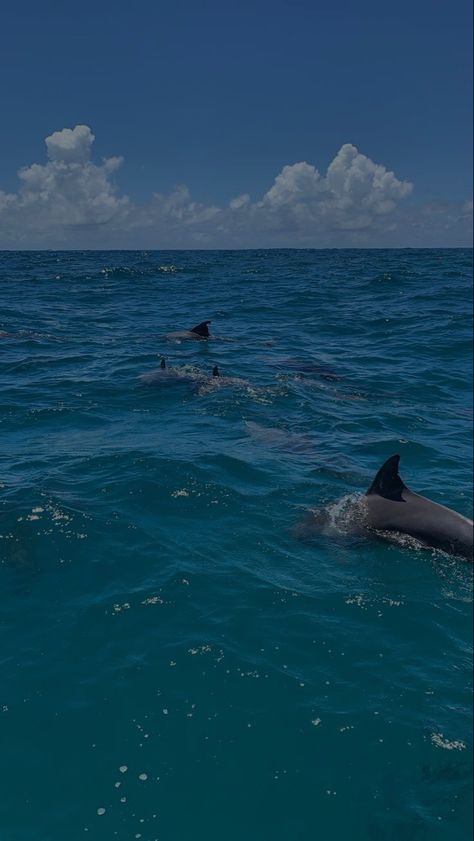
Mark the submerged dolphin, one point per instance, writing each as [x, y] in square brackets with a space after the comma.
[272, 436]
[303, 366]
[392, 507]
[201, 331]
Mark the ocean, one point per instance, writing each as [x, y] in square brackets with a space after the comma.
[177, 663]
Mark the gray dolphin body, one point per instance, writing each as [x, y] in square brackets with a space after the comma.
[392, 507]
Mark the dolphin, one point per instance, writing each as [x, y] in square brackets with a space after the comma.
[389, 509]
[218, 381]
[303, 366]
[392, 507]
[201, 331]
[170, 376]
[273, 436]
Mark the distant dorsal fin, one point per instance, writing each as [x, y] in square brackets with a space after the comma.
[215, 371]
[163, 363]
[387, 482]
[201, 329]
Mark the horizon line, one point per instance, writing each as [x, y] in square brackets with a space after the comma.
[254, 248]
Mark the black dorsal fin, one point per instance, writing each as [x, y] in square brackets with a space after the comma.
[215, 371]
[201, 329]
[163, 363]
[387, 482]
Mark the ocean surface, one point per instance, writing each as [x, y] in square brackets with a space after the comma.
[178, 660]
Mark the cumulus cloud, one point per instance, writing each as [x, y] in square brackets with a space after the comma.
[298, 183]
[71, 201]
[239, 201]
[63, 195]
[70, 145]
[352, 195]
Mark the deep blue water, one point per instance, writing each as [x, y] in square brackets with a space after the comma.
[158, 611]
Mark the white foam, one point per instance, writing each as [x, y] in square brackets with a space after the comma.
[440, 741]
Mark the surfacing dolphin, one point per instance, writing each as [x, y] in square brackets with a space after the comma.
[388, 510]
[201, 331]
[217, 381]
[392, 507]
[170, 376]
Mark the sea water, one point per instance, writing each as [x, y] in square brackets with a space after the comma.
[176, 662]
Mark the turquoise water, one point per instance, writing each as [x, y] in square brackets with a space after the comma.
[158, 612]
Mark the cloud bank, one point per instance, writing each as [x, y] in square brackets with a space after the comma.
[72, 202]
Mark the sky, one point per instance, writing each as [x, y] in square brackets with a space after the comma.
[222, 124]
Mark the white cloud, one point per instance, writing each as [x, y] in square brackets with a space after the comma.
[70, 145]
[58, 198]
[70, 201]
[352, 195]
[353, 179]
[298, 183]
[239, 201]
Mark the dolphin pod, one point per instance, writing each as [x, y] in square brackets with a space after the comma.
[390, 508]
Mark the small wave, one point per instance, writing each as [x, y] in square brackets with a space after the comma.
[440, 741]
[131, 272]
[344, 517]
[168, 269]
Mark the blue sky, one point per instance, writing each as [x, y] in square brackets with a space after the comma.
[221, 97]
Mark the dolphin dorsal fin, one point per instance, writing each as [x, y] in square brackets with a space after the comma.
[387, 482]
[215, 371]
[201, 329]
[163, 363]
